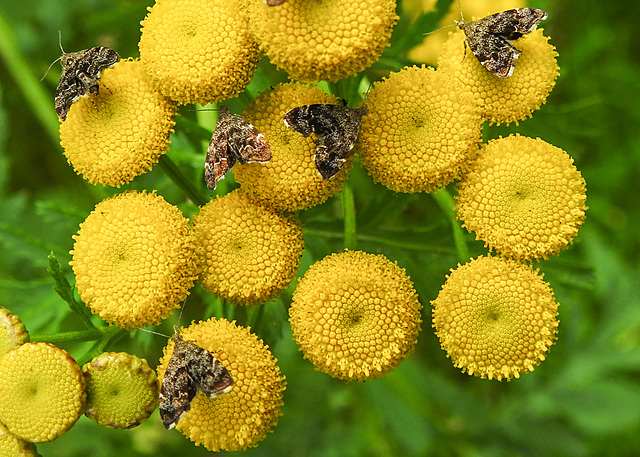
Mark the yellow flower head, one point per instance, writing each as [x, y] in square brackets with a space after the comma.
[134, 259]
[112, 137]
[504, 100]
[523, 197]
[495, 318]
[248, 254]
[122, 391]
[12, 331]
[42, 391]
[420, 132]
[242, 417]
[328, 40]
[355, 316]
[11, 445]
[290, 181]
[198, 51]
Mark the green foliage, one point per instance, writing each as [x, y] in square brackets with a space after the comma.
[582, 401]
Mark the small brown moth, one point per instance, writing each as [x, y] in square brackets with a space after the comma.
[490, 39]
[190, 369]
[337, 128]
[233, 140]
[81, 71]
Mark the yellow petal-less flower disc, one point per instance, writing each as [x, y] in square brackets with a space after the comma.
[290, 180]
[504, 100]
[248, 254]
[328, 40]
[134, 259]
[12, 446]
[355, 316]
[198, 51]
[421, 131]
[495, 318]
[523, 197]
[122, 390]
[118, 134]
[12, 331]
[42, 391]
[242, 417]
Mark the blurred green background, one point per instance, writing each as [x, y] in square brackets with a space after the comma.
[584, 400]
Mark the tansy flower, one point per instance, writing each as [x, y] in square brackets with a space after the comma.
[198, 51]
[290, 181]
[122, 391]
[12, 331]
[429, 50]
[420, 132]
[495, 318]
[242, 417]
[134, 259]
[11, 445]
[112, 137]
[504, 100]
[329, 40]
[523, 197]
[355, 316]
[42, 391]
[247, 253]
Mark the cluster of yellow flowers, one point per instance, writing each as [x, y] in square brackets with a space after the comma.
[354, 315]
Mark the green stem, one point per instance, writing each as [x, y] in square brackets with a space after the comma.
[174, 173]
[444, 199]
[32, 89]
[65, 337]
[349, 215]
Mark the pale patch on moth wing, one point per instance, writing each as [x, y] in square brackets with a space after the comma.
[233, 140]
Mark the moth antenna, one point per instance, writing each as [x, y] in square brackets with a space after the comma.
[155, 333]
[440, 28]
[460, 7]
[58, 59]
[60, 41]
[181, 310]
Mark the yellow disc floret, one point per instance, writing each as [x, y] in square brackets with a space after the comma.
[242, 417]
[12, 331]
[198, 51]
[420, 133]
[504, 100]
[328, 40]
[122, 390]
[290, 180]
[248, 254]
[523, 197]
[112, 137]
[134, 259]
[495, 318]
[42, 391]
[355, 316]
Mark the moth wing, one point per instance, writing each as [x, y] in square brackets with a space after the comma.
[318, 118]
[218, 161]
[247, 144]
[331, 155]
[334, 148]
[496, 54]
[514, 23]
[215, 379]
[178, 388]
